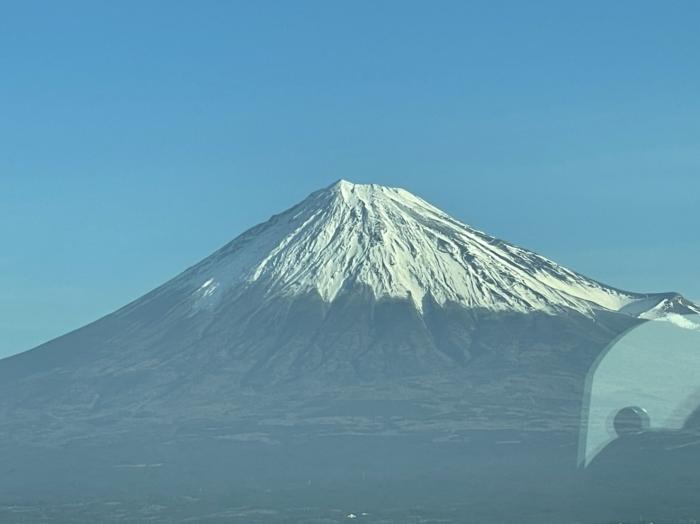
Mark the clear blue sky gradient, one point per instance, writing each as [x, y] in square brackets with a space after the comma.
[137, 137]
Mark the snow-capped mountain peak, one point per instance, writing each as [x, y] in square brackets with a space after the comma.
[396, 245]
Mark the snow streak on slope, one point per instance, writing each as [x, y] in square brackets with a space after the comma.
[352, 236]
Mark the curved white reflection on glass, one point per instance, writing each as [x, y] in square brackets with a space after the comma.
[654, 367]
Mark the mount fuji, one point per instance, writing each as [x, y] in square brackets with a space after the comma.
[362, 311]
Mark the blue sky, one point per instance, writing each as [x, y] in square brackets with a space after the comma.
[137, 137]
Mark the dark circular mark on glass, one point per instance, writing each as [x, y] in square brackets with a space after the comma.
[631, 420]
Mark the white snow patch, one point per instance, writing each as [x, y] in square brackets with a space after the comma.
[680, 321]
[204, 296]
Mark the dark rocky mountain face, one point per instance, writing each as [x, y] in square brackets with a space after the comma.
[306, 349]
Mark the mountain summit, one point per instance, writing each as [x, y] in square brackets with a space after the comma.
[396, 245]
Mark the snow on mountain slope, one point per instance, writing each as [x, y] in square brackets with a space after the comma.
[352, 236]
